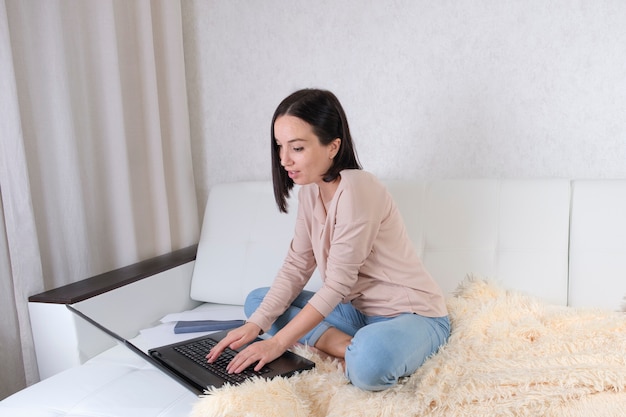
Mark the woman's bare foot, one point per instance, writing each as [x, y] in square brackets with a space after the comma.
[326, 356]
[334, 343]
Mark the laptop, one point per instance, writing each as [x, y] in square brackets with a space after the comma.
[186, 361]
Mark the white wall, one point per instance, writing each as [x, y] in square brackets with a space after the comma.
[500, 88]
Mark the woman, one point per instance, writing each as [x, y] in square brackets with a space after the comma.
[378, 309]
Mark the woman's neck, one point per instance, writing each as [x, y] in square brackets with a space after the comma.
[327, 191]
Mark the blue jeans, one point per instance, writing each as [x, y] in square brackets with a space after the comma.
[383, 349]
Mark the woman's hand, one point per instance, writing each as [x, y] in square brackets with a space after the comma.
[262, 352]
[235, 339]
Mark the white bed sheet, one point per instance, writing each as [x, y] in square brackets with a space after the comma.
[118, 382]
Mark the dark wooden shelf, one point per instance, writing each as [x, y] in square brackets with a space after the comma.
[99, 284]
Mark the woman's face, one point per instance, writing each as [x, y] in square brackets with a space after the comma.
[301, 152]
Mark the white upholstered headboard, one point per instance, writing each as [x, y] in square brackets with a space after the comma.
[513, 231]
[597, 261]
[243, 242]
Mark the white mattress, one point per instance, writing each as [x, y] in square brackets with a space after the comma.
[117, 382]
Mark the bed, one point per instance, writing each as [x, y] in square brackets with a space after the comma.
[533, 270]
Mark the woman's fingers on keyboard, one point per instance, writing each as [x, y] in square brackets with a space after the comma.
[217, 350]
[258, 354]
[214, 353]
[241, 361]
[233, 339]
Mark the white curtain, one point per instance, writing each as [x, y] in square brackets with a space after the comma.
[95, 151]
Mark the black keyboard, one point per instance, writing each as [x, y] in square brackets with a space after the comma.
[197, 351]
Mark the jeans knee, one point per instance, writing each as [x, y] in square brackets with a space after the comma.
[370, 377]
[253, 300]
[369, 373]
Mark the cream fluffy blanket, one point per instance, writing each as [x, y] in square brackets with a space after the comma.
[508, 355]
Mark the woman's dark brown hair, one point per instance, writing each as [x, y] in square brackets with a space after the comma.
[322, 110]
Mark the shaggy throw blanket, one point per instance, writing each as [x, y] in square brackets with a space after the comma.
[508, 355]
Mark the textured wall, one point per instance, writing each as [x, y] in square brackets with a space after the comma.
[432, 89]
